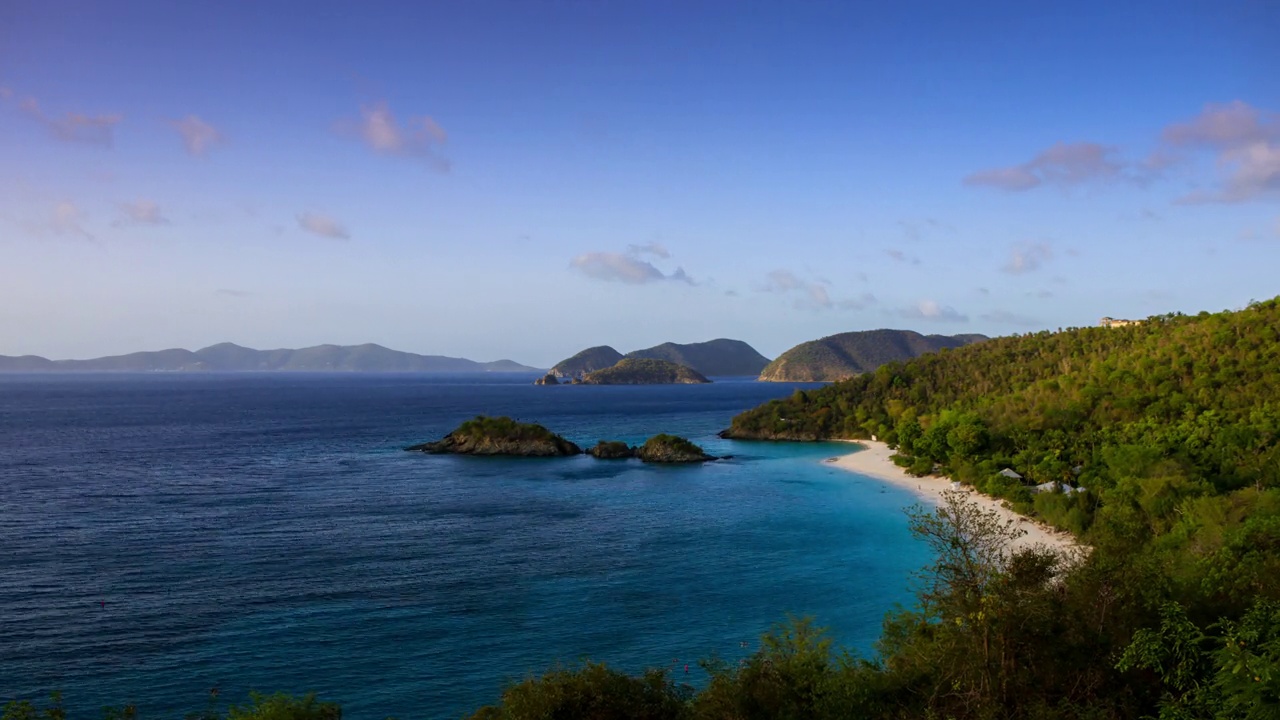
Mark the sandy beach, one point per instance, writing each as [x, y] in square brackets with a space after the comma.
[873, 461]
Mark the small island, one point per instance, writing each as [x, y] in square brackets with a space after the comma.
[644, 371]
[611, 450]
[500, 436]
[666, 448]
[548, 379]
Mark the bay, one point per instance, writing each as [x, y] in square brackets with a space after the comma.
[162, 535]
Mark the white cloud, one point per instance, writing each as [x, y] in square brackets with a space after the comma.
[1246, 143]
[1027, 257]
[418, 137]
[74, 127]
[197, 135]
[811, 294]
[624, 268]
[142, 212]
[1064, 165]
[323, 225]
[932, 311]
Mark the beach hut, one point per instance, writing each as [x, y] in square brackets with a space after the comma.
[1010, 473]
[1049, 487]
[957, 485]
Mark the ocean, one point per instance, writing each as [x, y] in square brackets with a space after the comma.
[163, 535]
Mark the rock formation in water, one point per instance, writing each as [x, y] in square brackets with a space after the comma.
[500, 436]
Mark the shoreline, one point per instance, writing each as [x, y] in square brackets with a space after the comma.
[873, 461]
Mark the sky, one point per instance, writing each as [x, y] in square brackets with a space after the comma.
[522, 179]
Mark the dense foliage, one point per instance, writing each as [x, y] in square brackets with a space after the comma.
[491, 428]
[845, 355]
[671, 448]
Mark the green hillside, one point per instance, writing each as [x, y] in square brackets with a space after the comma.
[720, 357]
[845, 355]
[589, 360]
[639, 371]
[1202, 392]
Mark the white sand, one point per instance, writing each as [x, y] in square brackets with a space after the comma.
[873, 461]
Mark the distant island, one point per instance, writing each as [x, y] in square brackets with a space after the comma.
[642, 371]
[228, 357]
[837, 357]
[502, 436]
[721, 357]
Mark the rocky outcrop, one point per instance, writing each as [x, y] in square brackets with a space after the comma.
[611, 450]
[548, 379]
[642, 371]
[500, 436]
[671, 449]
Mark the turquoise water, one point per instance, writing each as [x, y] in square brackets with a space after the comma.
[166, 535]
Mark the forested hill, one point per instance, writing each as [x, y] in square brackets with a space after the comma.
[845, 355]
[721, 357]
[1204, 390]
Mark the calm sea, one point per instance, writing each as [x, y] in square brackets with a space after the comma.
[164, 535]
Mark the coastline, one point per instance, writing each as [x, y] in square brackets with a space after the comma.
[873, 461]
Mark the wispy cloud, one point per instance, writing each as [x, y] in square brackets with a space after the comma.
[141, 212]
[417, 137]
[902, 257]
[1004, 317]
[811, 294]
[1062, 165]
[197, 135]
[624, 268]
[656, 249]
[917, 230]
[74, 127]
[932, 311]
[862, 302]
[1027, 257]
[68, 220]
[323, 225]
[5, 92]
[1246, 145]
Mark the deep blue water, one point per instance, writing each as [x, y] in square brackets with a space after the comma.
[163, 535]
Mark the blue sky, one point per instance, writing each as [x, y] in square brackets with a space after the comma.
[524, 179]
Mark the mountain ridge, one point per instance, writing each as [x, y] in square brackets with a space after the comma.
[229, 357]
[719, 357]
[845, 355]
